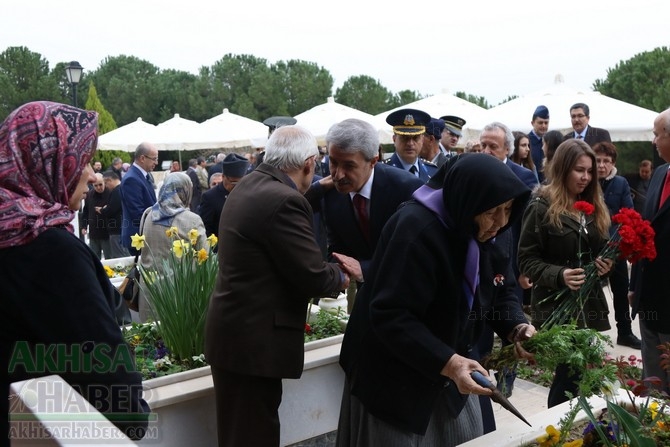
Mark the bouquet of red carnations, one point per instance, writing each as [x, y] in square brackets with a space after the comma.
[633, 240]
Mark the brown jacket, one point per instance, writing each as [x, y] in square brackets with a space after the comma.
[269, 268]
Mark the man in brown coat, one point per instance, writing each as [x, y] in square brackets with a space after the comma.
[269, 268]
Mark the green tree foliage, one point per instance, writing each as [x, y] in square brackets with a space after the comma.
[365, 94]
[508, 99]
[175, 92]
[106, 157]
[479, 100]
[404, 97]
[304, 84]
[126, 86]
[25, 77]
[643, 80]
[105, 119]
[229, 81]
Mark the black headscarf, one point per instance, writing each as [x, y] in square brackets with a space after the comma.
[473, 183]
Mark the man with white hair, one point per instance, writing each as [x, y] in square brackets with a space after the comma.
[269, 268]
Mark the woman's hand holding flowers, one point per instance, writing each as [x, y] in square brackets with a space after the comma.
[574, 278]
[603, 265]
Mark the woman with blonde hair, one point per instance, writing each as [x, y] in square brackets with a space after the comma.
[557, 240]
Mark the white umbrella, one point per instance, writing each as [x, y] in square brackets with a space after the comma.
[625, 122]
[176, 133]
[229, 130]
[320, 118]
[127, 138]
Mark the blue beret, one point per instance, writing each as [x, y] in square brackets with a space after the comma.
[435, 127]
[541, 112]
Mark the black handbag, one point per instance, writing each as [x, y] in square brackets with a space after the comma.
[130, 288]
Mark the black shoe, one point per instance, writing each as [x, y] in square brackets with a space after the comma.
[629, 340]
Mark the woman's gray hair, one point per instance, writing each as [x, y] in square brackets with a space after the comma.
[289, 147]
[354, 135]
[509, 137]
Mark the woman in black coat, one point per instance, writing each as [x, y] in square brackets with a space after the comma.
[406, 351]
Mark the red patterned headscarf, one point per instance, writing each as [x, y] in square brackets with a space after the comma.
[44, 148]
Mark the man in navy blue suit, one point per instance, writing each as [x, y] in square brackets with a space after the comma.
[409, 126]
[137, 191]
[365, 196]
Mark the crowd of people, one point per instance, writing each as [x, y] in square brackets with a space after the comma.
[443, 247]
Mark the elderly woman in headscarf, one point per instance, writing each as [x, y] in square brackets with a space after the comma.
[407, 349]
[171, 211]
[58, 303]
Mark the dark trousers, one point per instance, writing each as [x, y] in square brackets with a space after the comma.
[563, 382]
[247, 409]
[619, 286]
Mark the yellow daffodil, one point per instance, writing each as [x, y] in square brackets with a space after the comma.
[212, 240]
[137, 241]
[193, 236]
[575, 443]
[549, 439]
[171, 232]
[178, 248]
[202, 255]
[110, 272]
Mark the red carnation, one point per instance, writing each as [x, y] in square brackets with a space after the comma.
[584, 207]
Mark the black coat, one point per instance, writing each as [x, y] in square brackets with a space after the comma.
[648, 279]
[412, 315]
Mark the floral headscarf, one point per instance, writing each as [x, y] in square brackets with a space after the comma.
[173, 198]
[44, 148]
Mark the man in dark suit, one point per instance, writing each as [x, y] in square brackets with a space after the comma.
[197, 189]
[579, 115]
[137, 191]
[269, 268]
[540, 123]
[497, 140]
[650, 294]
[430, 151]
[409, 125]
[113, 214]
[353, 147]
[234, 168]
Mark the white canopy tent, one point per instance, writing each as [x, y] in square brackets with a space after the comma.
[444, 104]
[320, 118]
[127, 138]
[230, 131]
[625, 122]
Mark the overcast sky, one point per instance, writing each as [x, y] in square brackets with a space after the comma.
[487, 48]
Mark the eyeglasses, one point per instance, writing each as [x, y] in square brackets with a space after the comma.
[580, 116]
[152, 158]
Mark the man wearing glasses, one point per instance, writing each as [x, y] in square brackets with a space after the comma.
[579, 116]
[137, 191]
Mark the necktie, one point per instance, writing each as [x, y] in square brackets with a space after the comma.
[361, 206]
[413, 170]
[579, 137]
[665, 192]
[150, 178]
